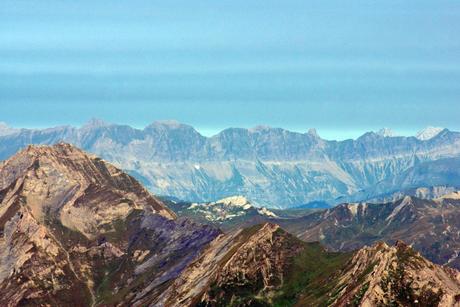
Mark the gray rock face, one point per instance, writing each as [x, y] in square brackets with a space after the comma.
[431, 227]
[271, 166]
[77, 231]
[428, 180]
[430, 192]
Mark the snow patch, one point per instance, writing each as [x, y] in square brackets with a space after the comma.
[353, 209]
[6, 130]
[193, 206]
[406, 201]
[428, 133]
[266, 212]
[239, 201]
[228, 208]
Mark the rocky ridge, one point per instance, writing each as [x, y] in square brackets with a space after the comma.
[383, 275]
[430, 226]
[263, 265]
[73, 228]
[276, 167]
[243, 268]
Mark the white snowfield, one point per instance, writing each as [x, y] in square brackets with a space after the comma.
[428, 133]
[229, 208]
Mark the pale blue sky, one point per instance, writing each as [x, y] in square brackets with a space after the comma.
[344, 67]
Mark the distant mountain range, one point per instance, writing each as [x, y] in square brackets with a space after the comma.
[77, 231]
[271, 166]
[431, 227]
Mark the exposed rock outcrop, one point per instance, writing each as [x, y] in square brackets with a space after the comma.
[237, 267]
[384, 275]
[430, 226]
[72, 226]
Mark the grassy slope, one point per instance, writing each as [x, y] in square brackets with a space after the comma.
[309, 277]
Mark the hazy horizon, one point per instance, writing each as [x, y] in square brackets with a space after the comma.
[342, 68]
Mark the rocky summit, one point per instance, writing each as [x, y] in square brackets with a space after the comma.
[276, 167]
[383, 275]
[76, 230]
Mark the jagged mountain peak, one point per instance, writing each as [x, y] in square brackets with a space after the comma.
[260, 128]
[242, 202]
[58, 153]
[7, 130]
[346, 211]
[254, 258]
[95, 123]
[268, 262]
[381, 274]
[173, 127]
[382, 247]
[368, 135]
[313, 132]
[169, 124]
[237, 200]
[61, 147]
[428, 133]
[386, 132]
[54, 171]
[419, 222]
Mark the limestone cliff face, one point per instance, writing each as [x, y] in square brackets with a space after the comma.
[274, 166]
[74, 228]
[384, 275]
[252, 261]
[82, 191]
[34, 267]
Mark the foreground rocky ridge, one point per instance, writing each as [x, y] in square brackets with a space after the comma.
[277, 167]
[263, 266]
[76, 229]
[383, 275]
[429, 225]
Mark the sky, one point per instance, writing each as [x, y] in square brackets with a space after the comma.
[342, 67]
